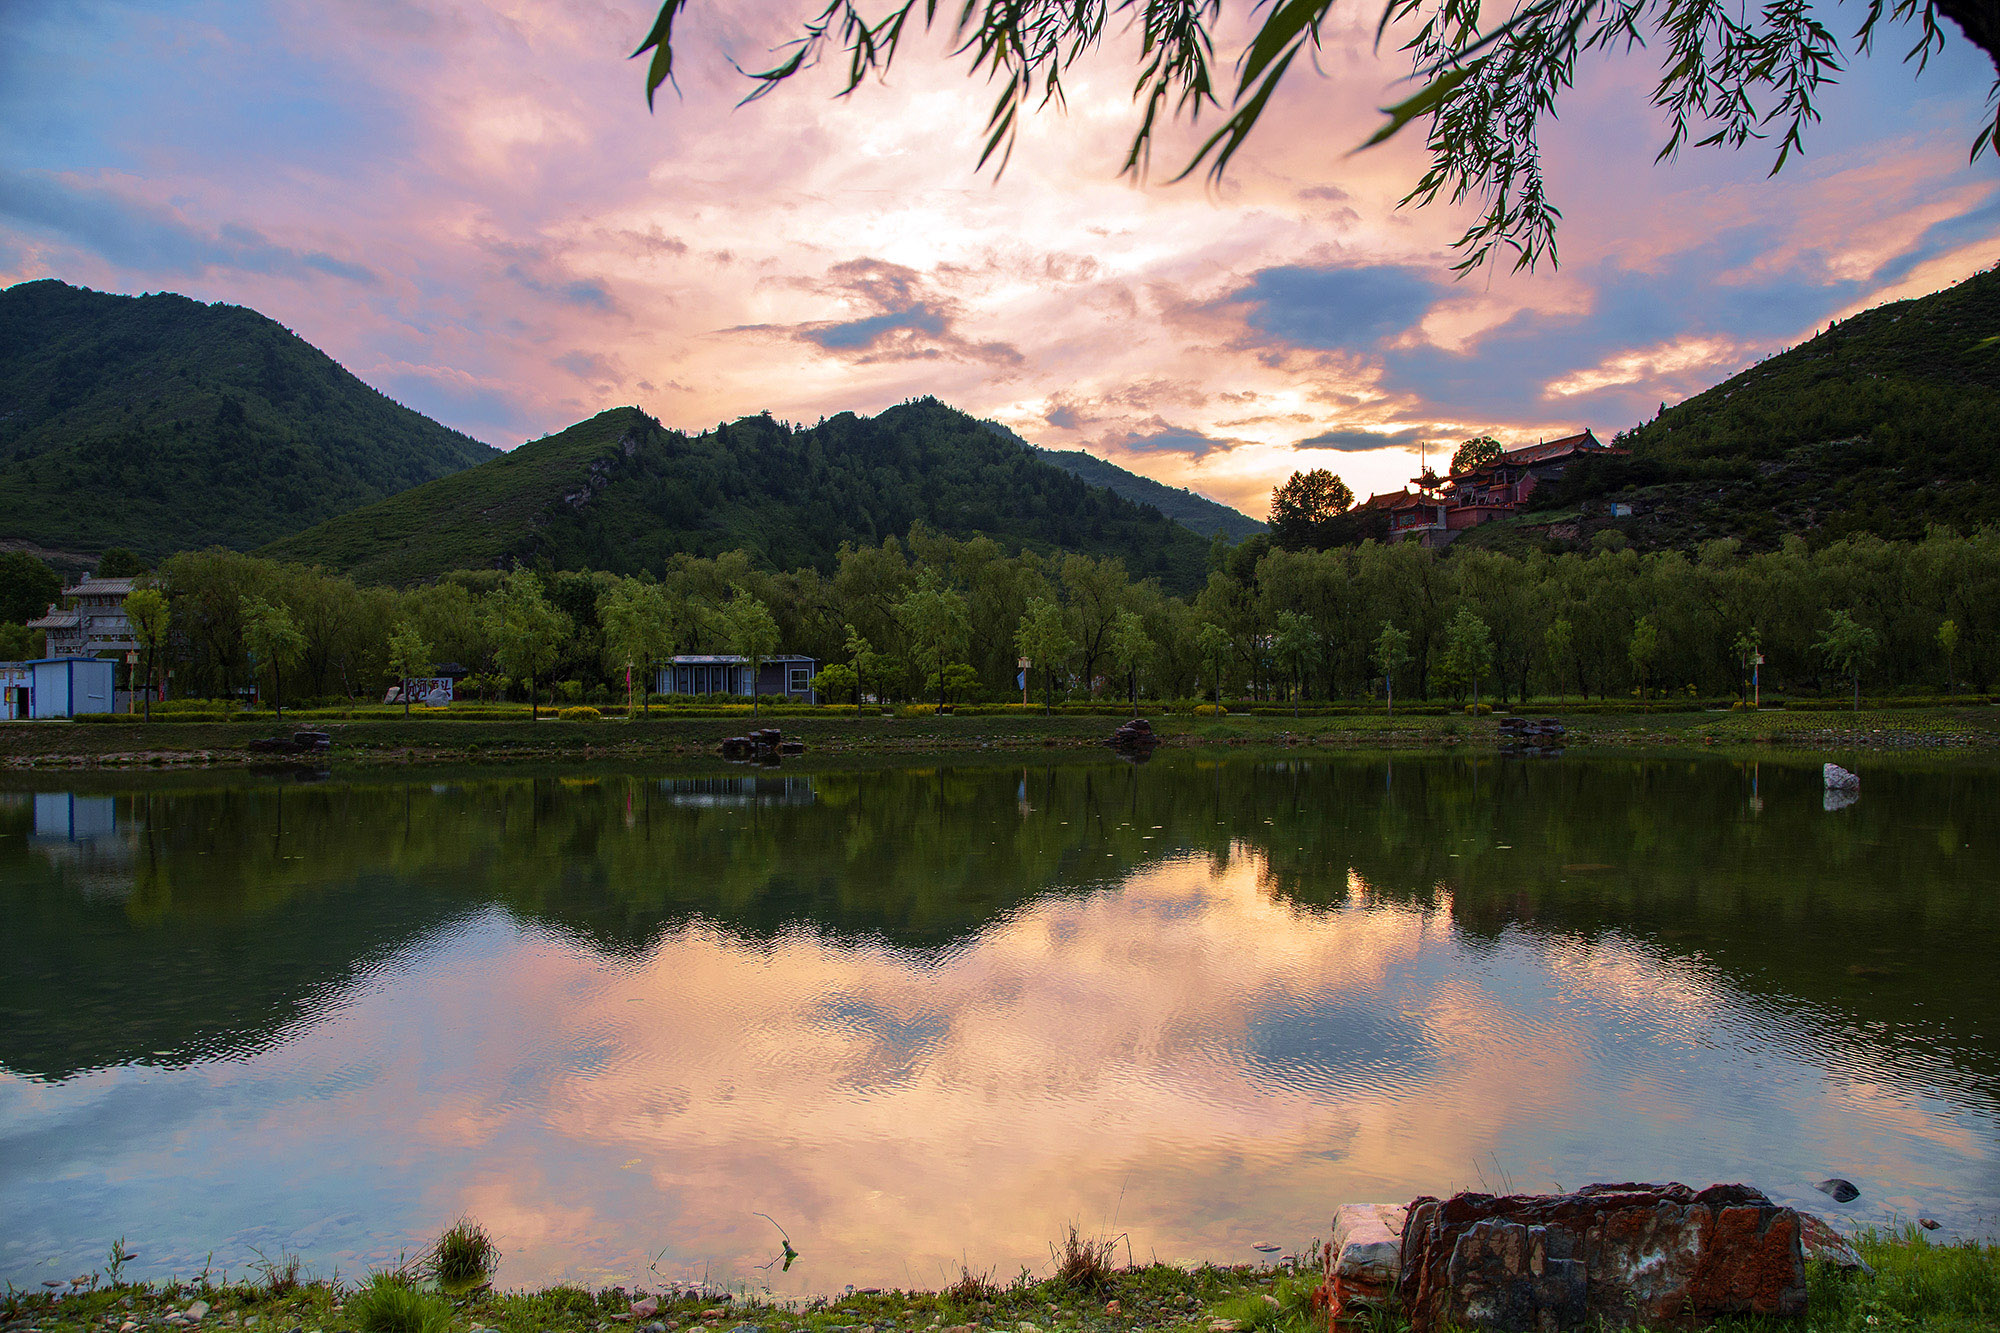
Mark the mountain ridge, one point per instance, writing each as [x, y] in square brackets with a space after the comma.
[623, 493]
[1191, 510]
[160, 423]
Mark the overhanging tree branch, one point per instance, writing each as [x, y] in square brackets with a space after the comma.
[1728, 75]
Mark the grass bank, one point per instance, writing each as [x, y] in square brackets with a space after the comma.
[131, 743]
[1915, 1285]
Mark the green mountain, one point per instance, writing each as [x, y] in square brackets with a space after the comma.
[620, 492]
[1183, 506]
[1885, 423]
[158, 423]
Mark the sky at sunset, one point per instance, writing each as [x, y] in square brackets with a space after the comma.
[469, 206]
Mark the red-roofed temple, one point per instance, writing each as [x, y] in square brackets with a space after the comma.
[1438, 510]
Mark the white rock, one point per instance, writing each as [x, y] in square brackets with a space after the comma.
[198, 1310]
[1367, 1243]
[1839, 779]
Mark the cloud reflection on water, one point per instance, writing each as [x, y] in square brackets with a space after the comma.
[1106, 1059]
[1203, 1051]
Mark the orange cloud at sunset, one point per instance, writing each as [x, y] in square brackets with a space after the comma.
[470, 206]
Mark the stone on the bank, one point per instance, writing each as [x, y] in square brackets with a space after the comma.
[1363, 1259]
[1839, 779]
[1616, 1255]
[646, 1308]
[1826, 1245]
[197, 1310]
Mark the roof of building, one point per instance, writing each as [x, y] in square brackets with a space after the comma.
[732, 659]
[1386, 500]
[1549, 450]
[96, 587]
[55, 619]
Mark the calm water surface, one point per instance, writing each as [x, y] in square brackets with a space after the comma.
[928, 1017]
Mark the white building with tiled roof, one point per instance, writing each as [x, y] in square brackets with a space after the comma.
[94, 622]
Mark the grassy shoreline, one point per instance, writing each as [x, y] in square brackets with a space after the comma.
[1914, 1285]
[445, 740]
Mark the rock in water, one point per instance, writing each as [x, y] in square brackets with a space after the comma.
[1615, 1255]
[1929, 1223]
[1841, 1191]
[1839, 779]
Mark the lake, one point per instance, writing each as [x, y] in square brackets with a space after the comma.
[926, 1017]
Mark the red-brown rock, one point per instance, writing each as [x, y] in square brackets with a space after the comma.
[1618, 1255]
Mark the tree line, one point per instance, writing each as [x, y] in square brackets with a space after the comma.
[949, 619]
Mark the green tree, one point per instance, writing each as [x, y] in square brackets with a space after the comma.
[1044, 639]
[1846, 646]
[1295, 644]
[1483, 85]
[1127, 645]
[527, 632]
[1947, 642]
[956, 681]
[1643, 650]
[28, 587]
[638, 631]
[935, 619]
[1559, 640]
[1468, 652]
[752, 633]
[1304, 505]
[859, 652]
[273, 639]
[1212, 645]
[1392, 652]
[409, 657]
[119, 563]
[1476, 452]
[147, 611]
[836, 679]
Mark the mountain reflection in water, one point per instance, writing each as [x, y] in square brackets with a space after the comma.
[927, 1017]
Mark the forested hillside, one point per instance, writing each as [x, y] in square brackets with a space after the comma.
[158, 424]
[621, 493]
[1183, 506]
[1886, 423]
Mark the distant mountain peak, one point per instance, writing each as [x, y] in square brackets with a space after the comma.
[160, 423]
[620, 492]
[1191, 510]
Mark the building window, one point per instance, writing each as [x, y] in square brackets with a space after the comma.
[801, 680]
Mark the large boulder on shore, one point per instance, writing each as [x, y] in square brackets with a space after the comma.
[1364, 1258]
[1609, 1255]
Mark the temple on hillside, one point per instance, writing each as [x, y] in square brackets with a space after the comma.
[1441, 508]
